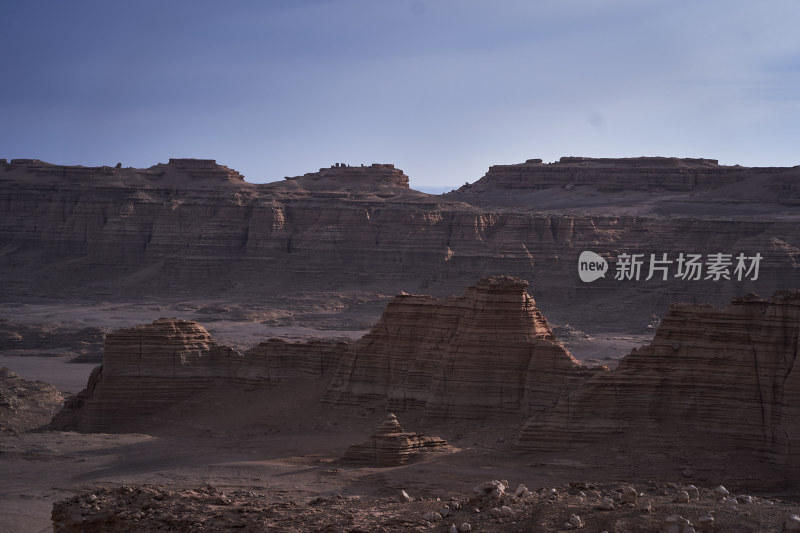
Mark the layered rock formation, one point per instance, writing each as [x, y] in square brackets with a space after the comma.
[391, 445]
[638, 173]
[192, 228]
[729, 376]
[487, 352]
[148, 368]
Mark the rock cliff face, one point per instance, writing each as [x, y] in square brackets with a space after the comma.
[730, 376]
[192, 228]
[391, 445]
[149, 368]
[487, 352]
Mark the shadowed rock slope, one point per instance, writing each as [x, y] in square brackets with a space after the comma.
[730, 376]
[488, 352]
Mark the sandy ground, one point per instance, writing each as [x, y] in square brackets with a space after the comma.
[280, 443]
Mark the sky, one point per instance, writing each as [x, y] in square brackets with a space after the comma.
[441, 88]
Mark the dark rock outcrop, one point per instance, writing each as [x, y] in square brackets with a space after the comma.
[26, 404]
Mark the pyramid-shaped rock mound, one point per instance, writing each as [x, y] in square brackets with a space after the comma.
[487, 352]
[391, 445]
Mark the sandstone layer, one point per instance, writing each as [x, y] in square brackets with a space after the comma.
[729, 377]
[192, 228]
[637, 174]
[391, 445]
[486, 353]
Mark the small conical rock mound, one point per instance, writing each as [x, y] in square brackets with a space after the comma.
[391, 445]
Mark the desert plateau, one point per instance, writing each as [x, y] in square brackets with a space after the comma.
[183, 350]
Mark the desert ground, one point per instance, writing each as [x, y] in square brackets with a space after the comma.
[274, 455]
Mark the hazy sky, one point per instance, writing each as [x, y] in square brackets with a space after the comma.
[440, 88]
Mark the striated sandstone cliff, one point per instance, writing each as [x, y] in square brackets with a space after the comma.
[194, 229]
[487, 352]
[729, 376]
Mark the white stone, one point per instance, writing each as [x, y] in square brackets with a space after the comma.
[694, 494]
[404, 497]
[706, 523]
[607, 504]
[721, 491]
[494, 511]
[444, 511]
[490, 487]
[575, 521]
[682, 497]
[453, 529]
[628, 495]
[465, 527]
[745, 499]
[506, 511]
[432, 517]
[521, 491]
[677, 524]
[792, 523]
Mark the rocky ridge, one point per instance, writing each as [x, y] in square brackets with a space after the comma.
[729, 375]
[635, 173]
[583, 506]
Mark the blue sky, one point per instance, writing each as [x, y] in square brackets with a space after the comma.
[440, 88]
